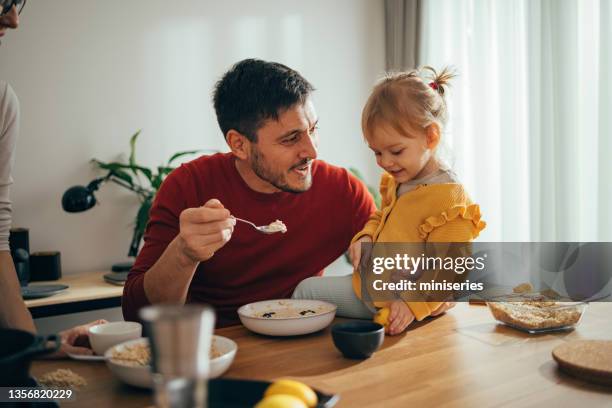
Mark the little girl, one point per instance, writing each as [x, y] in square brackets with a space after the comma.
[422, 200]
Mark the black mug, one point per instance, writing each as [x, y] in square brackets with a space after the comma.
[19, 238]
[45, 266]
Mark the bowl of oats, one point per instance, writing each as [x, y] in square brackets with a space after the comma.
[222, 353]
[287, 317]
[536, 313]
[130, 362]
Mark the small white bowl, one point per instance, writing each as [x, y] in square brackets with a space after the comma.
[140, 376]
[104, 336]
[250, 316]
[227, 349]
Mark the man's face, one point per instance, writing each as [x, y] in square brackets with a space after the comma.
[285, 149]
[9, 20]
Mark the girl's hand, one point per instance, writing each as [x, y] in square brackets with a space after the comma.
[443, 308]
[399, 317]
[355, 250]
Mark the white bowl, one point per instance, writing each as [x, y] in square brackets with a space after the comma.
[136, 375]
[140, 376]
[227, 349]
[250, 316]
[104, 336]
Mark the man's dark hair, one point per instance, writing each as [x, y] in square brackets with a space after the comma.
[253, 91]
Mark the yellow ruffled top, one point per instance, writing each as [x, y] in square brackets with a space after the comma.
[429, 213]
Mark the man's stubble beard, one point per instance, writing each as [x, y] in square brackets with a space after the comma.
[278, 180]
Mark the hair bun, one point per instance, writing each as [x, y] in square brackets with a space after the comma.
[436, 87]
[440, 80]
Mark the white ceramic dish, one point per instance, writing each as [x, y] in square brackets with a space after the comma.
[83, 357]
[227, 349]
[140, 376]
[251, 317]
[104, 336]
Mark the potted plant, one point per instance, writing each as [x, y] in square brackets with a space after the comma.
[143, 181]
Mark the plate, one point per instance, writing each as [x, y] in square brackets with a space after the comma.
[116, 278]
[40, 291]
[235, 393]
[83, 357]
[251, 316]
[590, 360]
[140, 376]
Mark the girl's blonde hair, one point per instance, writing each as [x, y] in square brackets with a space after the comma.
[414, 99]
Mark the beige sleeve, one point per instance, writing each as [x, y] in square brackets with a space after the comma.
[9, 129]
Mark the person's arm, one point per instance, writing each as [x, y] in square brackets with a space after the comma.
[366, 218]
[462, 223]
[13, 311]
[201, 232]
[375, 216]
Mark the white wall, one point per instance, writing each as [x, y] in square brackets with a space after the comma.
[89, 73]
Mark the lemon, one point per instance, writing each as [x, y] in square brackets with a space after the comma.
[295, 388]
[382, 317]
[281, 401]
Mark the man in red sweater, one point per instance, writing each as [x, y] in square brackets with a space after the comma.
[195, 252]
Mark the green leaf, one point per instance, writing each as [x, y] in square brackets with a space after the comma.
[142, 218]
[114, 169]
[147, 172]
[114, 166]
[157, 181]
[108, 166]
[123, 176]
[162, 172]
[165, 170]
[132, 159]
[181, 154]
[357, 173]
[375, 195]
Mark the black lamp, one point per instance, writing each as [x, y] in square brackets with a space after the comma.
[81, 198]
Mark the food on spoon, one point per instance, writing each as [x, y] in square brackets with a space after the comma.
[294, 388]
[277, 226]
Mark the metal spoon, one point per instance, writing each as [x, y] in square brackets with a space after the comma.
[266, 229]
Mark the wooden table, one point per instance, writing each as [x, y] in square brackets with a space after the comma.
[86, 291]
[461, 359]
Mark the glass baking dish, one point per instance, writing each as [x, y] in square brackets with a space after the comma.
[535, 313]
